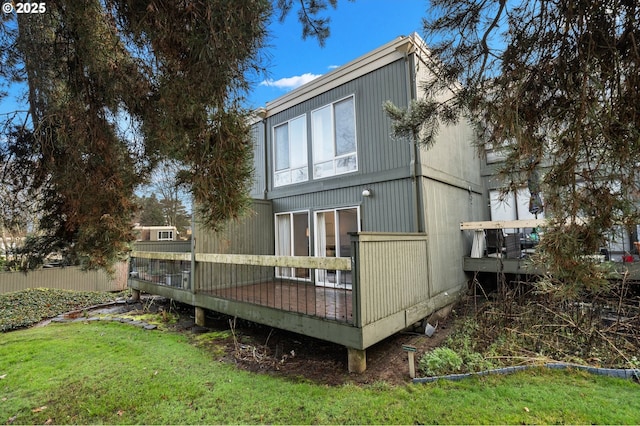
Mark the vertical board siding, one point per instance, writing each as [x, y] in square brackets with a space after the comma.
[252, 234]
[389, 209]
[450, 183]
[393, 274]
[259, 182]
[69, 278]
[445, 207]
[377, 150]
[163, 246]
[453, 152]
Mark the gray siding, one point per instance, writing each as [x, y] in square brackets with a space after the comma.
[453, 158]
[445, 206]
[163, 246]
[379, 156]
[259, 172]
[451, 191]
[389, 209]
[253, 234]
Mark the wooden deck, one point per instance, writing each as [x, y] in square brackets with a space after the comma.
[294, 296]
[525, 267]
[494, 265]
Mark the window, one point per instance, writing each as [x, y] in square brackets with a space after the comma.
[165, 235]
[334, 139]
[290, 152]
[292, 239]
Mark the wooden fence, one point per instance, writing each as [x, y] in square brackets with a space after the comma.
[74, 278]
[68, 278]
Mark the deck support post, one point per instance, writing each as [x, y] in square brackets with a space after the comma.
[135, 295]
[200, 316]
[357, 360]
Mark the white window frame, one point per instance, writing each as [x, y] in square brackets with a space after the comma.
[290, 273]
[320, 274]
[336, 158]
[169, 236]
[291, 175]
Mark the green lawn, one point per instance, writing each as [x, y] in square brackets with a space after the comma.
[103, 372]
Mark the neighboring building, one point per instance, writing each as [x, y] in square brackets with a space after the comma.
[156, 233]
[355, 235]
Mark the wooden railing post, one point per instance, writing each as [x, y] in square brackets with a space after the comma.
[355, 277]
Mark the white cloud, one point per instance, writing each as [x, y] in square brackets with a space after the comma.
[288, 83]
[333, 67]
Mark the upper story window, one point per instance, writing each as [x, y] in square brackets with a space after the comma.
[290, 152]
[334, 139]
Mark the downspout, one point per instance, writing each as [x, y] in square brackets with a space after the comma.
[265, 152]
[262, 113]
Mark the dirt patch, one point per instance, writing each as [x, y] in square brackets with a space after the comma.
[258, 348]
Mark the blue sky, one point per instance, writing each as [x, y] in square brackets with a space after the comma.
[356, 29]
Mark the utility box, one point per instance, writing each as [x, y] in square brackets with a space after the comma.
[186, 280]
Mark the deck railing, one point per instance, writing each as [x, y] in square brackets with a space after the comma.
[391, 275]
[163, 268]
[387, 274]
[314, 286]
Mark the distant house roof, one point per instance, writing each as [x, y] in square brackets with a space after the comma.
[155, 227]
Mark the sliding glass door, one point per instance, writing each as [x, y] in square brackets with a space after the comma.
[332, 240]
[292, 239]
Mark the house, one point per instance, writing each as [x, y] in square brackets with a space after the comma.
[512, 232]
[354, 235]
[156, 233]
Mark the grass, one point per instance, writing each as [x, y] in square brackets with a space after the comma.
[112, 373]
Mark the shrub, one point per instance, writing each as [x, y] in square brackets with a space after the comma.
[440, 361]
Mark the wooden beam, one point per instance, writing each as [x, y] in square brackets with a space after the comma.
[159, 255]
[312, 262]
[337, 263]
[502, 224]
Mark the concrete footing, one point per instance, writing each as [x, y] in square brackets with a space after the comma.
[135, 295]
[357, 360]
[200, 316]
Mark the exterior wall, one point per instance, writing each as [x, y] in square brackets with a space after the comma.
[445, 206]
[258, 188]
[380, 157]
[388, 209]
[253, 234]
[383, 162]
[69, 278]
[163, 246]
[451, 192]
